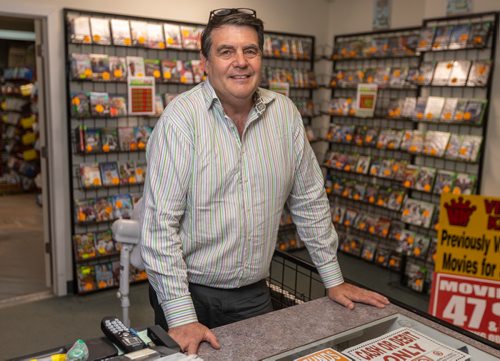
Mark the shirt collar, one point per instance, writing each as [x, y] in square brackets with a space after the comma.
[262, 97]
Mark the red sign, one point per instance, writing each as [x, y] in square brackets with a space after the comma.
[470, 303]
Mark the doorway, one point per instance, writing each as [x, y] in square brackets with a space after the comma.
[25, 263]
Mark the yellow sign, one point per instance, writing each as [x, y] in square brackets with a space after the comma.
[469, 236]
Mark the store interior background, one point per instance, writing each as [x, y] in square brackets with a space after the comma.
[321, 18]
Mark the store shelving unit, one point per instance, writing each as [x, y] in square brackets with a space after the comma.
[96, 256]
[388, 216]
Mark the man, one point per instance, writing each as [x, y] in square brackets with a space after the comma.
[223, 160]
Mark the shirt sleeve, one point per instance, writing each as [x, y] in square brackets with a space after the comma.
[169, 156]
[310, 210]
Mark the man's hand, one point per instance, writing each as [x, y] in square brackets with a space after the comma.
[346, 294]
[190, 336]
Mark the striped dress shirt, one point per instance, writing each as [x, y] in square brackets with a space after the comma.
[213, 200]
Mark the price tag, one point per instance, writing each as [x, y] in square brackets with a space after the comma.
[467, 302]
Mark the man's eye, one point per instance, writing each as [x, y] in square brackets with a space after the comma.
[251, 52]
[226, 53]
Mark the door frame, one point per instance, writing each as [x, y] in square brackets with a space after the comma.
[56, 180]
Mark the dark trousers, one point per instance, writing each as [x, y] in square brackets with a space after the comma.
[217, 306]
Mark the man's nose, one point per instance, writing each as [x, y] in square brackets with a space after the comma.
[239, 59]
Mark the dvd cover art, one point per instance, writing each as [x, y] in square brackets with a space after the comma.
[100, 67]
[382, 254]
[474, 111]
[459, 73]
[420, 246]
[420, 107]
[358, 191]
[396, 199]
[86, 278]
[155, 36]
[382, 76]
[431, 253]
[185, 72]
[100, 31]
[394, 262]
[350, 217]
[398, 77]
[368, 250]
[109, 173]
[91, 140]
[104, 275]
[172, 36]
[371, 194]
[363, 164]
[142, 134]
[480, 34]
[442, 73]
[152, 68]
[426, 39]
[460, 110]
[453, 147]
[197, 69]
[480, 73]
[408, 107]
[418, 213]
[80, 105]
[442, 37]
[444, 182]
[459, 36]
[122, 206]
[135, 66]
[99, 104]
[126, 139]
[140, 171]
[470, 147]
[118, 68]
[395, 108]
[450, 104]
[352, 245]
[371, 137]
[90, 175]
[120, 30]
[117, 106]
[139, 32]
[104, 243]
[435, 143]
[190, 36]
[338, 214]
[158, 105]
[426, 73]
[416, 276]
[433, 108]
[127, 172]
[425, 179]
[80, 30]
[84, 211]
[103, 209]
[84, 246]
[464, 184]
[410, 176]
[80, 66]
[170, 70]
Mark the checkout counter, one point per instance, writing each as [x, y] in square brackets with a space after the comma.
[292, 332]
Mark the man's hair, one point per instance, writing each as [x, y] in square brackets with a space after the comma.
[238, 19]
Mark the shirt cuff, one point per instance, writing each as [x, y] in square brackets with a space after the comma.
[179, 312]
[331, 274]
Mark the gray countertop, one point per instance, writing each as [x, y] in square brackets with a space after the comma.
[289, 328]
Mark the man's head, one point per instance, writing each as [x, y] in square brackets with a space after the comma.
[232, 54]
[237, 17]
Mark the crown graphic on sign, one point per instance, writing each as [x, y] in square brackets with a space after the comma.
[459, 212]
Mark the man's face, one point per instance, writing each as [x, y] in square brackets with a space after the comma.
[234, 63]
